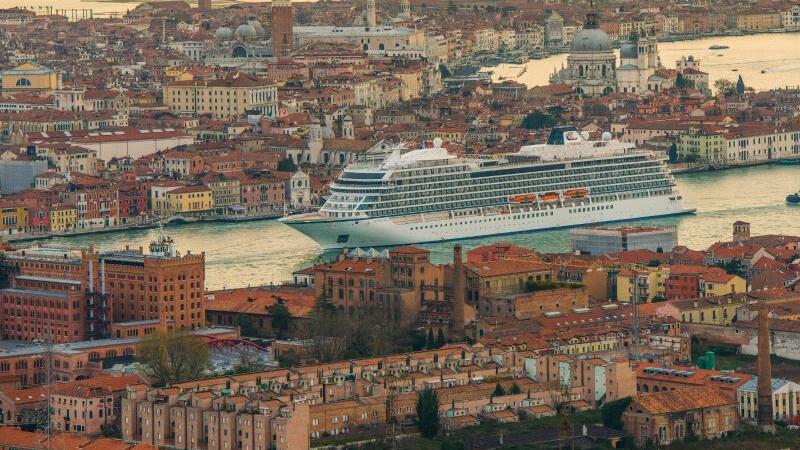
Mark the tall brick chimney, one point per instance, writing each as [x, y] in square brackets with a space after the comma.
[766, 422]
[457, 318]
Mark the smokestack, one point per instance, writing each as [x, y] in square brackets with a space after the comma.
[457, 319]
[766, 422]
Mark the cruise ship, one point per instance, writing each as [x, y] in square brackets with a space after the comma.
[429, 195]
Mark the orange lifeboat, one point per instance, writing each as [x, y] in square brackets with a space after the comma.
[549, 197]
[576, 193]
[523, 198]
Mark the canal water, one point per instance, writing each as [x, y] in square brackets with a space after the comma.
[264, 252]
[764, 61]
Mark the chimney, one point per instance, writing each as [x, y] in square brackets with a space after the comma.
[457, 319]
[766, 423]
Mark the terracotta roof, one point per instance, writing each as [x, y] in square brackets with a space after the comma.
[299, 301]
[683, 400]
[505, 267]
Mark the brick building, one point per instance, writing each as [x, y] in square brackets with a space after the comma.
[161, 285]
[54, 296]
[671, 416]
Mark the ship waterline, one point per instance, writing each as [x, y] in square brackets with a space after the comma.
[390, 231]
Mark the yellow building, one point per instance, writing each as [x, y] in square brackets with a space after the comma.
[190, 200]
[587, 344]
[14, 217]
[63, 218]
[32, 78]
[228, 97]
[702, 145]
[644, 283]
[718, 283]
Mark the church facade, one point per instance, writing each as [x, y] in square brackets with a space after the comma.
[592, 68]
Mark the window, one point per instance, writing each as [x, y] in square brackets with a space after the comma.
[23, 82]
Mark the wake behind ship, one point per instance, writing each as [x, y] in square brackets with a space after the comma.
[429, 195]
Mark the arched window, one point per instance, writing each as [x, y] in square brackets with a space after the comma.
[366, 47]
[23, 82]
[381, 47]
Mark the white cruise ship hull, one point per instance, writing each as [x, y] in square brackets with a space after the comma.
[444, 226]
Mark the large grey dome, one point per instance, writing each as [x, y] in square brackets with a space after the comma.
[591, 40]
[257, 26]
[223, 34]
[245, 31]
[628, 51]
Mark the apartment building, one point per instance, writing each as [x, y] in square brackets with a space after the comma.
[231, 96]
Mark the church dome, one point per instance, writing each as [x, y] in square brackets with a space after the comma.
[628, 51]
[245, 31]
[257, 27]
[591, 40]
[223, 34]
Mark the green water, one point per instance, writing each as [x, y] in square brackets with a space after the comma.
[263, 252]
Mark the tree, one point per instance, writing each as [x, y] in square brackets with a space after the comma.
[440, 339]
[515, 389]
[247, 326]
[724, 87]
[740, 86]
[289, 358]
[673, 153]
[430, 341]
[248, 360]
[281, 319]
[428, 413]
[611, 412]
[538, 120]
[173, 356]
[498, 391]
[287, 165]
[658, 298]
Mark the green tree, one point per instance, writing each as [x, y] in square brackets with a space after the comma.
[538, 120]
[515, 389]
[440, 339]
[611, 412]
[431, 343]
[428, 413]
[288, 358]
[740, 86]
[247, 326]
[287, 165]
[673, 153]
[724, 87]
[281, 319]
[658, 298]
[173, 356]
[498, 390]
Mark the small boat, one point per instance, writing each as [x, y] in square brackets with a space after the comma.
[523, 198]
[549, 197]
[576, 193]
[718, 47]
[793, 199]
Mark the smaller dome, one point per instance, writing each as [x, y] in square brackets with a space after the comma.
[223, 34]
[628, 51]
[257, 26]
[245, 31]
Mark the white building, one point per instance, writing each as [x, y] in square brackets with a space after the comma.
[790, 18]
[591, 64]
[299, 190]
[377, 41]
[639, 61]
[785, 399]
